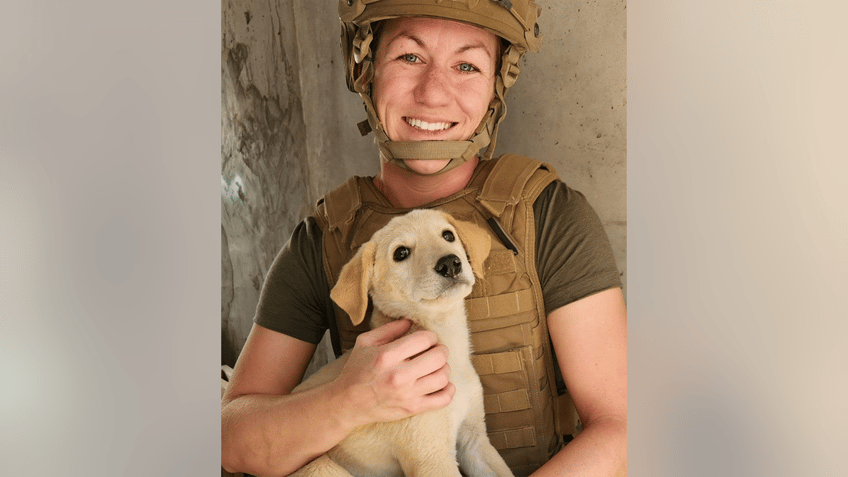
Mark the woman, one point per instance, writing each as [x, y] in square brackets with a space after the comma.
[433, 77]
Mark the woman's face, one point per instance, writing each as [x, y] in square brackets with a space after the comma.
[434, 80]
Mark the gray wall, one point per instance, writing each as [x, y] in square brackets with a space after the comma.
[289, 128]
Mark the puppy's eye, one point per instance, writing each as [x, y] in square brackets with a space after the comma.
[401, 253]
[448, 235]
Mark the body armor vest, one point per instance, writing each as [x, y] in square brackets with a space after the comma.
[525, 416]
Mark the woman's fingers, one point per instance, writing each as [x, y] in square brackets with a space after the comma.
[403, 374]
[385, 334]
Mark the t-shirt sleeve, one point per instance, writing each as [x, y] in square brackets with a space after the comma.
[574, 258]
[295, 296]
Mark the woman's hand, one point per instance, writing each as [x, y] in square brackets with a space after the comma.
[389, 376]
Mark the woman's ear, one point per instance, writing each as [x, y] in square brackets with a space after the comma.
[351, 290]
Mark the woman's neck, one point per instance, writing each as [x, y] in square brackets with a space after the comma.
[405, 189]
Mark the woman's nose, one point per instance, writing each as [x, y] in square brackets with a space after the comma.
[433, 88]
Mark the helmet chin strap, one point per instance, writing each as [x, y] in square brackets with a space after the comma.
[457, 152]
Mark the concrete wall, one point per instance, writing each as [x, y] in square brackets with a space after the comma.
[289, 127]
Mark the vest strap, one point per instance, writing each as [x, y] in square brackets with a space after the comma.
[497, 363]
[506, 182]
[486, 307]
[342, 203]
[514, 438]
[517, 400]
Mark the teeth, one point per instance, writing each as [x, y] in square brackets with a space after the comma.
[417, 123]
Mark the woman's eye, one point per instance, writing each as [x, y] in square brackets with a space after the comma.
[401, 253]
[467, 67]
[409, 58]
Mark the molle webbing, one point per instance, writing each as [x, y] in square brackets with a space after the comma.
[506, 315]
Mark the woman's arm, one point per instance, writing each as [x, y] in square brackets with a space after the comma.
[256, 404]
[267, 431]
[590, 339]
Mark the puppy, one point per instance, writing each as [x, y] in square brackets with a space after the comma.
[416, 267]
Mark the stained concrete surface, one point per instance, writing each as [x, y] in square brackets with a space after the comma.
[289, 128]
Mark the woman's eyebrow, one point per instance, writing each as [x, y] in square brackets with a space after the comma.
[420, 43]
[473, 46]
[407, 36]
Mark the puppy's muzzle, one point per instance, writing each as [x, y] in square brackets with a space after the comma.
[449, 266]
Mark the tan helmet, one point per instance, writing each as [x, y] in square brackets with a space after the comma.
[514, 21]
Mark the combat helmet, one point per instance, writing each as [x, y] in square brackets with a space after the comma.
[512, 20]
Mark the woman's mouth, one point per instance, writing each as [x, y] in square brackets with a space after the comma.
[426, 126]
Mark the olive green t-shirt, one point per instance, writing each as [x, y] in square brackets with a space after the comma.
[573, 259]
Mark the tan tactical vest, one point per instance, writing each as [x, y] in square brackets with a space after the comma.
[525, 417]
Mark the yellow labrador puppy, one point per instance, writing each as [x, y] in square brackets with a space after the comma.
[416, 267]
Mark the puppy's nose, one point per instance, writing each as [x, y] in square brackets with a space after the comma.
[449, 266]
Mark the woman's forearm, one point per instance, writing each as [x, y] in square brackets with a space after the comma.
[599, 450]
[273, 435]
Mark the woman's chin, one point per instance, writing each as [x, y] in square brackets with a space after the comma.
[427, 166]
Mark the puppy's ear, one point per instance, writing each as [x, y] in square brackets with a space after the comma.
[476, 241]
[351, 290]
